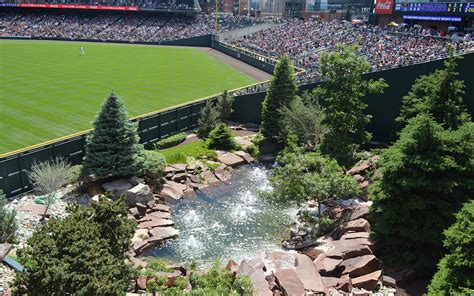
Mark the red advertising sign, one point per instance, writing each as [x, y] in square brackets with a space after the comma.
[383, 6]
[79, 6]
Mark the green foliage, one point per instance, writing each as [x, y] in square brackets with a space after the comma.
[303, 118]
[224, 105]
[8, 225]
[75, 174]
[340, 95]
[221, 138]
[219, 281]
[439, 94]
[159, 284]
[155, 164]
[112, 148]
[306, 175]
[170, 141]
[158, 265]
[456, 269]
[197, 149]
[427, 174]
[81, 254]
[281, 92]
[208, 120]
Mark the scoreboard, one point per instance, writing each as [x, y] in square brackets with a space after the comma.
[447, 8]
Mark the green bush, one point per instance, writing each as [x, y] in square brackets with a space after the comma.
[456, 269]
[222, 138]
[178, 157]
[75, 174]
[208, 120]
[155, 164]
[8, 225]
[158, 265]
[170, 141]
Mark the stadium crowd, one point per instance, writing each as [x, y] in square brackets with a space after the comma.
[133, 28]
[384, 47]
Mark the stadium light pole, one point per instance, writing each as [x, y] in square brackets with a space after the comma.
[217, 9]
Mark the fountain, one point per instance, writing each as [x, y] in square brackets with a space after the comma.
[228, 221]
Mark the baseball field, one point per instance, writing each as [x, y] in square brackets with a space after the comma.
[49, 90]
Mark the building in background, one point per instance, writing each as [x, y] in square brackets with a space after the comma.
[439, 15]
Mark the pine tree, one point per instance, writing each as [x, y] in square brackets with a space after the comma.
[208, 120]
[224, 105]
[426, 176]
[455, 274]
[221, 138]
[281, 92]
[340, 95]
[8, 225]
[112, 148]
[439, 94]
[81, 254]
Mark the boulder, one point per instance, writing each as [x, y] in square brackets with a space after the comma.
[330, 282]
[140, 246]
[230, 159]
[161, 208]
[358, 225]
[232, 266]
[360, 266]
[117, 187]
[134, 212]
[256, 263]
[389, 281]
[308, 274]
[247, 157]
[140, 235]
[327, 266]
[141, 282]
[344, 243]
[33, 208]
[254, 270]
[368, 281]
[170, 276]
[312, 252]
[155, 222]
[180, 167]
[351, 251]
[4, 249]
[344, 284]
[222, 173]
[179, 177]
[403, 276]
[209, 177]
[359, 168]
[139, 194]
[162, 233]
[355, 235]
[135, 180]
[156, 215]
[172, 191]
[359, 211]
[141, 208]
[289, 282]
[243, 141]
[279, 260]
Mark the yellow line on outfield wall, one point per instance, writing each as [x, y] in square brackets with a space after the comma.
[49, 142]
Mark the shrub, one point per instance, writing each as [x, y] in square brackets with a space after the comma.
[8, 225]
[75, 174]
[113, 148]
[221, 138]
[158, 265]
[155, 164]
[178, 157]
[83, 253]
[170, 141]
[456, 269]
[208, 120]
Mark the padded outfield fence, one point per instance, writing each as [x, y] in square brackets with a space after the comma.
[247, 108]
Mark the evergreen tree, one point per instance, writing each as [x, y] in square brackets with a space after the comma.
[81, 254]
[439, 94]
[8, 225]
[340, 94]
[208, 120]
[112, 148]
[455, 274]
[281, 92]
[224, 105]
[221, 138]
[427, 174]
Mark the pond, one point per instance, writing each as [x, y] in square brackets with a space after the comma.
[228, 221]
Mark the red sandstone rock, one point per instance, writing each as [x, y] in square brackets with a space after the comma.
[289, 282]
[360, 266]
[141, 282]
[308, 274]
[368, 281]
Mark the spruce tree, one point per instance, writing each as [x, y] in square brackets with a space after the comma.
[8, 225]
[221, 138]
[455, 274]
[208, 120]
[224, 105]
[340, 95]
[439, 94]
[281, 92]
[426, 176]
[112, 148]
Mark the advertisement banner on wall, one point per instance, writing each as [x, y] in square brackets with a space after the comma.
[384, 6]
[79, 6]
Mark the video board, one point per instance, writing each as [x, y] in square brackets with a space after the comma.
[436, 7]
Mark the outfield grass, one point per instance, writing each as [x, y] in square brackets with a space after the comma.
[47, 90]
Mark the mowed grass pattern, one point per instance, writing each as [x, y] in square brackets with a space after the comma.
[47, 90]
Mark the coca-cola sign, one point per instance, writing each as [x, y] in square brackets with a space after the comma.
[384, 6]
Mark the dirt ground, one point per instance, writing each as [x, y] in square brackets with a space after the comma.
[239, 65]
